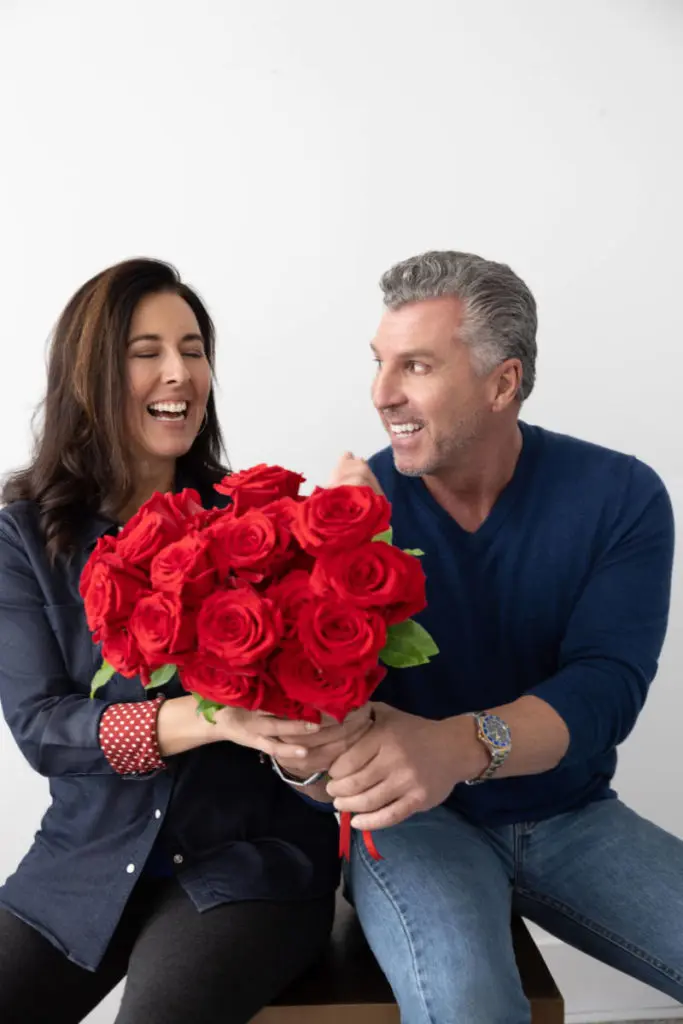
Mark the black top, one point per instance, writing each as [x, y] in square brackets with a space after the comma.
[230, 827]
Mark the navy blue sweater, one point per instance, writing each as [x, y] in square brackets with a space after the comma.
[563, 592]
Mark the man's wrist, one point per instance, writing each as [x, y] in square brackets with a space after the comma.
[470, 756]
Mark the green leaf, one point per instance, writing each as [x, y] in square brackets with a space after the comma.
[101, 677]
[162, 676]
[411, 631]
[408, 643]
[402, 659]
[387, 536]
[414, 551]
[207, 708]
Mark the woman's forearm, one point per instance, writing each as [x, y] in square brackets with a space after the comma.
[180, 728]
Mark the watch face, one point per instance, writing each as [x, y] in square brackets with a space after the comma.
[496, 731]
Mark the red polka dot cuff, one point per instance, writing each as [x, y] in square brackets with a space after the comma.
[128, 737]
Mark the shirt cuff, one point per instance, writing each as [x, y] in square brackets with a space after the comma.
[128, 737]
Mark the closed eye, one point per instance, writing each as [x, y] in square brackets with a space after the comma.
[186, 355]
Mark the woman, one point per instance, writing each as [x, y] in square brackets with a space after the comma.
[181, 860]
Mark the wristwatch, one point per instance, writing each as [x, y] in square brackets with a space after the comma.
[292, 780]
[495, 734]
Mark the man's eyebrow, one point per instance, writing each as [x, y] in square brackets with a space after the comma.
[411, 353]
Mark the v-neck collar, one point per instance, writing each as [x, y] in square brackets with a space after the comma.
[505, 502]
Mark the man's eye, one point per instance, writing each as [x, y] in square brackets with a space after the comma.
[417, 367]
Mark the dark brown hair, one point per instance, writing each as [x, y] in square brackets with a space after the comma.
[81, 463]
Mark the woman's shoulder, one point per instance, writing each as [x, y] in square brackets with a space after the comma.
[22, 548]
[19, 518]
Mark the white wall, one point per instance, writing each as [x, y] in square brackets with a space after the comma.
[283, 154]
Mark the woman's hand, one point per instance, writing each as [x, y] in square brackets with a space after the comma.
[301, 748]
[281, 738]
[330, 742]
[180, 727]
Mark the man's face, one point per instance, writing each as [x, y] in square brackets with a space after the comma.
[431, 401]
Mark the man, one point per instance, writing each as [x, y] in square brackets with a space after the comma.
[548, 564]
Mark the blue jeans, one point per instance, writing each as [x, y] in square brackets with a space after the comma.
[436, 910]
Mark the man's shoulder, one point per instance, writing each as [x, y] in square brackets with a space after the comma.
[588, 464]
[382, 465]
[382, 458]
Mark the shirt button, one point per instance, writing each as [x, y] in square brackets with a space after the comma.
[130, 869]
[157, 813]
[178, 858]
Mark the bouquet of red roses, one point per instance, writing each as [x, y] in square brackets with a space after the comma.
[278, 602]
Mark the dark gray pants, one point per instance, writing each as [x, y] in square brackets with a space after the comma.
[180, 966]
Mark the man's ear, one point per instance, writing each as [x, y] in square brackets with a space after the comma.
[508, 383]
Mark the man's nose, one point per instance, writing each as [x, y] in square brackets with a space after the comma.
[386, 390]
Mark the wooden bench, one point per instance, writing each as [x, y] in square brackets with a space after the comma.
[347, 986]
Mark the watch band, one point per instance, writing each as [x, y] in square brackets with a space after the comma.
[494, 733]
[291, 780]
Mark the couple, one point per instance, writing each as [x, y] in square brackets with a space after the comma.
[183, 862]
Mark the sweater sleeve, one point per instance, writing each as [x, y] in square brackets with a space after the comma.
[610, 651]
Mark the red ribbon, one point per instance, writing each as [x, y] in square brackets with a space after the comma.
[345, 835]
[345, 839]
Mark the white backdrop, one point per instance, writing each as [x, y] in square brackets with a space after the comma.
[283, 154]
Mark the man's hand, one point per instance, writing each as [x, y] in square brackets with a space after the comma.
[322, 748]
[403, 765]
[351, 471]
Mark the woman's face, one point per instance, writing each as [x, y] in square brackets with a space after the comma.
[168, 378]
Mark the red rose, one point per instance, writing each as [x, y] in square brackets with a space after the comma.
[374, 575]
[186, 503]
[176, 509]
[105, 545]
[120, 650]
[340, 517]
[163, 630]
[283, 513]
[208, 516]
[290, 594]
[239, 626]
[335, 695]
[184, 568]
[277, 702]
[249, 545]
[209, 677]
[255, 487]
[150, 534]
[337, 635]
[283, 510]
[110, 593]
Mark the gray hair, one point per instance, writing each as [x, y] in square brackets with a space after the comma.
[500, 311]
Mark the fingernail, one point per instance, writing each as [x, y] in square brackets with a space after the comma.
[311, 727]
[301, 752]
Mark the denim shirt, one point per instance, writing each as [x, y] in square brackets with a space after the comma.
[230, 828]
